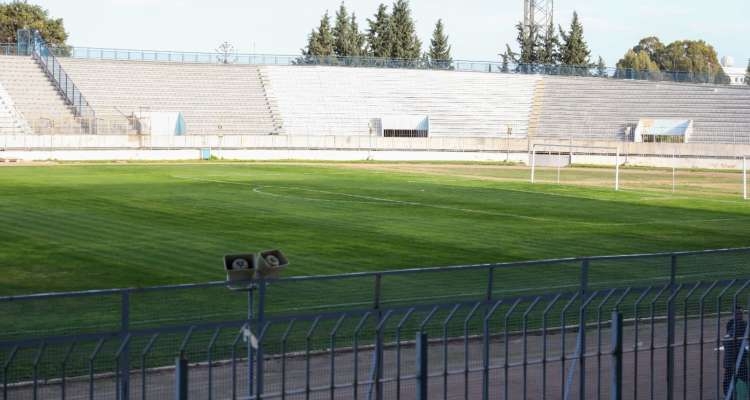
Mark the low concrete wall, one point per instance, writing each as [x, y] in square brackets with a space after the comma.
[358, 148]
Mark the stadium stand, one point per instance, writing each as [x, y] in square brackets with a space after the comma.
[214, 99]
[595, 108]
[36, 97]
[322, 100]
[11, 121]
[330, 100]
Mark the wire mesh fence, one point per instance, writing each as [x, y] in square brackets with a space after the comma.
[540, 329]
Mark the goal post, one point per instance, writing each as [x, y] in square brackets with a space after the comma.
[560, 155]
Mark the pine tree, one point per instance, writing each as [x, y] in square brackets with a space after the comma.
[574, 50]
[359, 39]
[320, 42]
[601, 68]
[507, 57]
[549, 46]
[528, 39]
[404, 41]
[344, 37]
[379, 33]
[440, 50]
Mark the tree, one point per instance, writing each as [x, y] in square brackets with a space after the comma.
[653, 47]
[685, 60]
[636, 64]
[574, 50]
[601, 68]
[345, 38]
[320, 43]
[379, 33]
[548, 49]
[226, 53]
[22, 15]
[404, 42]
[359, 39]
[528, 39]
[747, 74]
[507, 57]
[440, 50]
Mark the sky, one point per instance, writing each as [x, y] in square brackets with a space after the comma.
[478, 29]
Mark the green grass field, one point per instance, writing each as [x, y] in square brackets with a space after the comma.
[70, 227]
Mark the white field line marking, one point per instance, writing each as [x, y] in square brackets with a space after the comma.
[381, 200]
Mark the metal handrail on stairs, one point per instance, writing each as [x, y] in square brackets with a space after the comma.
[73, 96]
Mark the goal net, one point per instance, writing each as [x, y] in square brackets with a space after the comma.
[572, 164]
[657, 175]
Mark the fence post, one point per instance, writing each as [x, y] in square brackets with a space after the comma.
[378, 338]
[671, 327]
[615, 389]
[250, 351]
[125, 355]
[261, 325]
[421, 358]
[181, 378]
[582, 330]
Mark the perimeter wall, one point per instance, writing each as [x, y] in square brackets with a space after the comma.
[361, 148]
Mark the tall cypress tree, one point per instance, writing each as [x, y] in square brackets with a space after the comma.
[574, 50]
[344, 38]
[404, 41]
[747, 74]
[379, 33]
[359, 40]
[440, 50]
[320, 42]
[549, 46]
[528, 40]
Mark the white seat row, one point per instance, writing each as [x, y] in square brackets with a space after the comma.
[344, 101]
[226, 99]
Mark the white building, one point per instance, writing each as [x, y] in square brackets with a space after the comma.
[736, 74]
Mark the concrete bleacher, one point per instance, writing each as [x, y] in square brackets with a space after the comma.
[321, 100]
[11, 121]
[595, 108]
[341, 101]
[214, 99]
[35, 97]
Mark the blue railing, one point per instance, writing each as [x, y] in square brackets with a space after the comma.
[375, 62]
[46, 58]
[9, 49]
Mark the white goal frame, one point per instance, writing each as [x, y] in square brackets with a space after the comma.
[570, 149]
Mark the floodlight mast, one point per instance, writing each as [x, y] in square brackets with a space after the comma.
[539, 13]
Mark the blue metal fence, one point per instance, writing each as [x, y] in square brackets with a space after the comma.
[375, 62]
[536, 329]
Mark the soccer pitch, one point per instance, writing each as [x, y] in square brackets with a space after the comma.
[73, 226]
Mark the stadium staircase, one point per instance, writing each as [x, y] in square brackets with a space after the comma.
[536, 108]
[273, 108]
[596, 108]
[213, 98]
[36, 98]
[323, 100]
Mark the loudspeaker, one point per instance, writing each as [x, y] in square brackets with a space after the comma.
[240, 270]
[270, 263]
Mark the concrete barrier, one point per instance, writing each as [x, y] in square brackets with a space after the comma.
[357, 148]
